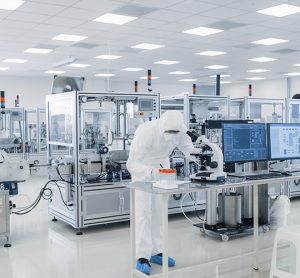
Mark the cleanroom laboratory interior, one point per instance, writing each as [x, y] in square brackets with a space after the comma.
[149, 138]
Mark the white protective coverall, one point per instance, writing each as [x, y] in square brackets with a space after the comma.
[150, 149]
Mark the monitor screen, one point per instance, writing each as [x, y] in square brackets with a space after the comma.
[284, 141]
[244, 142]
[145, 104]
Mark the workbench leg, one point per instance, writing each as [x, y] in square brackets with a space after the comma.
[165, 235]
[132, 231]
[255, 226]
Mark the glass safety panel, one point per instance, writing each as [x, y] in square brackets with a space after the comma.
[267, 112]
[61, 114]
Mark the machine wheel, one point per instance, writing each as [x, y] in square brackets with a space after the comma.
[266, 229]
[224, 237]
[7, 245]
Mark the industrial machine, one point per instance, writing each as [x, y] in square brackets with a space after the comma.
[293, 116]
[12, 136]
[36, 140]
[12, 171]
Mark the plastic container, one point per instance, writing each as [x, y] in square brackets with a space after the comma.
[167, 176]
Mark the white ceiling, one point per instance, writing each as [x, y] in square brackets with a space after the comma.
[159, 22]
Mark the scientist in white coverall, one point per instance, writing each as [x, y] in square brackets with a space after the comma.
[151, 148]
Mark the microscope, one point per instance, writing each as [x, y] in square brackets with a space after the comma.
[209, 161]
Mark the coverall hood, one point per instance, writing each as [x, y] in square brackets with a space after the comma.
[172, 120]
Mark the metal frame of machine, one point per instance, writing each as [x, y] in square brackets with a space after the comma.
[5, 216]
[10, 118]
[35, 124]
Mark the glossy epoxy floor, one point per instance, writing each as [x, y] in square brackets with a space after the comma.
[45, 249]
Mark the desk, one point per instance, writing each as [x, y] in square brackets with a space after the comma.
[189, 187]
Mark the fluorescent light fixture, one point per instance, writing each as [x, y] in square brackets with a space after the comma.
[179, 72]
[70, 38]
[263, 59]
[216, 67]
[108, 57]
[105, 74]
[15, 61]
[152, 78]
[280, 10]
[222, 75]
[55, 71]
[188, 80]
[78, 65]
[3, 68]
[203, 31]
[148, 46]
[114, 18]
[258, 70]
[269, 41]
[292, 74]
[166, 62]
[211, 53]
[296, 65]
[133, 69]
[38, 50]
[255, 78]
[10, 5]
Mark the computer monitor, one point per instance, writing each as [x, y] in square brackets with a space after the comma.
[283, 141]
[244, 142]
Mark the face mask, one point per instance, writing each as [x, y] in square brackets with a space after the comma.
[168, 137]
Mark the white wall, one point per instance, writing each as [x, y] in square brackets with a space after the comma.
[276, 88]
[32, 90]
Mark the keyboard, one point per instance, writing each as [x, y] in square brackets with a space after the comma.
[264, 176]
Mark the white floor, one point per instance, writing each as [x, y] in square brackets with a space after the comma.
[45, 249]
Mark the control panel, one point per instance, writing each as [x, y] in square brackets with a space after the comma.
[147, 108]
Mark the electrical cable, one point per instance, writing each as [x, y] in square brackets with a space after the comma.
[46, 194]
[59, 174]
[195, 206]
[181, 205]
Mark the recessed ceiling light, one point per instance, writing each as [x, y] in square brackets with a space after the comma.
[255, 78]
[269, 41]
[71, 38]
[263, 59]
[179, 72]
[38, 50]
[133, 69]
[105, 74]
[280, 10]
[3, 68]
[222, 75]
[114, 18]
[188, 80]
[54, 71]
[258, 70]
[10, 5]
[78, 65]
[148, 46]
[296, 65]
[216, 67]
[152, 77]
[211, 53]
[292, 73]
[108, 57]
[166, 62]
[203, 31]
[16, 61]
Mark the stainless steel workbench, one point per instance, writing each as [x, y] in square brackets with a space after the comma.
[188, 187]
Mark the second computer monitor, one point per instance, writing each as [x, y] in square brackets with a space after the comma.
[284, 141]
[244, 142]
